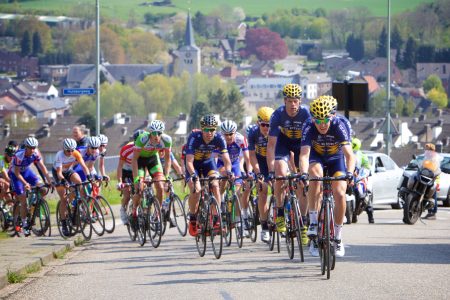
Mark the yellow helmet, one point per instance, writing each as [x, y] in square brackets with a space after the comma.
[292, 90]
[264, 113]
[323, 107]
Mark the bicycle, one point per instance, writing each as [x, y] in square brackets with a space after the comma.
[253, 218]
[233, 216]
[38, 211]
[209, 221]
[6, 213]
[175, 208]
[294, 222]
[151, 212]
[325, 231]
[129, 209]
[77, 213]
[273, 232]
[104, 205]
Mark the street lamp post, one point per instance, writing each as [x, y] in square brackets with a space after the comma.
[97, 63]
[388, 83]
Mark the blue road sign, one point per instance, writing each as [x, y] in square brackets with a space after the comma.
[78, 92]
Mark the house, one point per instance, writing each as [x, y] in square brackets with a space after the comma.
[229, 49]
[377, 68]
[22, 66]
[263, 91]
[289, 66]
[442, 70]
[53, 73]
[262, 68]
[315, 84]
[372, 84]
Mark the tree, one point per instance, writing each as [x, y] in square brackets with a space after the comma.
[381, 46]
[425, 53]
[355, 47]
[199, 24]
[265, 44]
[37, 44]
[157, 93]
[26, 44]
[438, 97]
[198, 110]
[399, 105]
[409, 56]
[218, 101]
[408, 108]
[396, 39]
[235, 109]
[433, 82]
[144, 47]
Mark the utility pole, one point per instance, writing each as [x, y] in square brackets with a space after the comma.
[97, 63]
[388, 83]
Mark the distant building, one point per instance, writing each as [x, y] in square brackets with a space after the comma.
[12, 62]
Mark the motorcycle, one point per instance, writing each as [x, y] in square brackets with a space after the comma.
[417, 187]
[359, 197]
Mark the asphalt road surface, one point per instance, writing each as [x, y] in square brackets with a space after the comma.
[386, 260]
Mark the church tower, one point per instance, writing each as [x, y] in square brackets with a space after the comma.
[187, 57]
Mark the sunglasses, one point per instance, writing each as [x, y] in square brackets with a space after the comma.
[156, 133]
[70, 150]
[264, 124]
[209, 129]
[322, 121]
[32, 148]
[229, 134]
[94, 148]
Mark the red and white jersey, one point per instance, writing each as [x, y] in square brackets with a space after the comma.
[126, 155]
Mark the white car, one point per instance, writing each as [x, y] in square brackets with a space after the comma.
[386, 175]
[444, 181]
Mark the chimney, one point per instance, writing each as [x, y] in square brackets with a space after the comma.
[439, 147]
[6, 130]
[124, 130]
[422, 117]
[440, 122]
[127, 119]
[46, 129]
[447, 141]
[415, 120]
[438, 112]
[418, 146]
[374, 124]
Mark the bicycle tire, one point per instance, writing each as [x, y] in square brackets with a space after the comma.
[202, 218]
[40, 220]
[186, 201]
[298, 226]
[58, 220]
[3, 223]
[228, 236]
[319, 239]
[271, 223]
[141, 234]
[131, 231]
[289, 231]
[238, 221]
[97, 218]
[154, 222]
[108, 213]
[84, 223]
[253, 216]
[215, 227]
[327, 244]
[179, 215]
[70, 218]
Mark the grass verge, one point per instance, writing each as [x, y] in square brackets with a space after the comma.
[15, 277]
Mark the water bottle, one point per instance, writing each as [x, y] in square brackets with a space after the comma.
[288, 209]
[165, 204]
[33, 199]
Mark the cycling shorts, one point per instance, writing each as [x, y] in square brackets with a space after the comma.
[283, 150]
[17, 185]
[204, 168]
[334, 164]
[235, 169]
[153, 165]
[263, 168]
[66, 174]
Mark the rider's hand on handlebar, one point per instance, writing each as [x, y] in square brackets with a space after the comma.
[271, 176]
[105, 178]
[230, 175]
[349, 176]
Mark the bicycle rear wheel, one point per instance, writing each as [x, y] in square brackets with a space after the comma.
[215, 227]
[324, 245]
[228, 234]
[202, 225]
[253, 216]
[84, 223]
[108, 214]
[154, 221]
[66, 217]
[40, 220]
[237, 221]
[97, 218]
[179, 215]
[131, 231]
[3, 223]
[140, 226]
[271, 223]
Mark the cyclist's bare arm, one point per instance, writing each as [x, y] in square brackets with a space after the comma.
[272, 141]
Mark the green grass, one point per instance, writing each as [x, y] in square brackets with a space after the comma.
[15, 277]
[33, 268]
[120, 9]
[3, 235]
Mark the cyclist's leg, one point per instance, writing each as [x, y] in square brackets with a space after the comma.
[337, 168]
[282, 157]
[138, 186]
[222, 172]
[155, 170]
[314, 193]
[210, 170]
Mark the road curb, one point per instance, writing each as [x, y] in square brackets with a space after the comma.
[39, 261]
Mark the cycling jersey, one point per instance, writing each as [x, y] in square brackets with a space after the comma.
[147, 148]
[258, 142]
[126, 155]
[201, 150]
[88, 156]
[4, 165]
[23, 163]
[67, 162]
[235, 149]
[288, 131]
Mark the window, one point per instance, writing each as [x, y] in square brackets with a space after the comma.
[444, 69]
[387, 162]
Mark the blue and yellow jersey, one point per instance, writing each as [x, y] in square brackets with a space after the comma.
[328, 144]
[291, 128]
[257, 141]
[201, 150]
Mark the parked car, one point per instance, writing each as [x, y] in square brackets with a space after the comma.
[386, 175]
[444, 182]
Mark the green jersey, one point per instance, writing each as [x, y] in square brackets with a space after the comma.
[4, 165]
[148, 149]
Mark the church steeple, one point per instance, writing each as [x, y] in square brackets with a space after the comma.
[189, 35]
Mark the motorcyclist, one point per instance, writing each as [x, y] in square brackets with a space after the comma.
[431, 154]
[362, 170]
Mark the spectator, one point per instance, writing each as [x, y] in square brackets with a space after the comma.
[432, 211]
[79, 137]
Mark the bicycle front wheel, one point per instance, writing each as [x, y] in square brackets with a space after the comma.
[40, 220]
[202, 225]
[237, 221]
[154, 221]
[252, 219]
[140, 226]
[108, 214]
[215, 227]
[97, 219]
[84, 223]
[298, 224]
[179, 215]
[324, 240]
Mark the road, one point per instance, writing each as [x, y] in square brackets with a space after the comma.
[386, 260]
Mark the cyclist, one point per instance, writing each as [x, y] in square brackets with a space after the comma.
[284, 137]
[326, 144]
[145, 156]
[257, 145]
[64, 173]
[102, 150]
[363, 169]
[23, 178]
[5, 180]
[199, 162]
[90, 154]
[237, 148]
[125, 174]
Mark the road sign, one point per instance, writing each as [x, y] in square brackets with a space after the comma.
[78, 92]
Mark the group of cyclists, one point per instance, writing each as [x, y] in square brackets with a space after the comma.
[293, 139]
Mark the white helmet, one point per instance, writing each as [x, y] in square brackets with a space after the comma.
[228, 127]
[156, 125]
[103, 139]
[69, 144]
[93, 142]
[31, 142]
